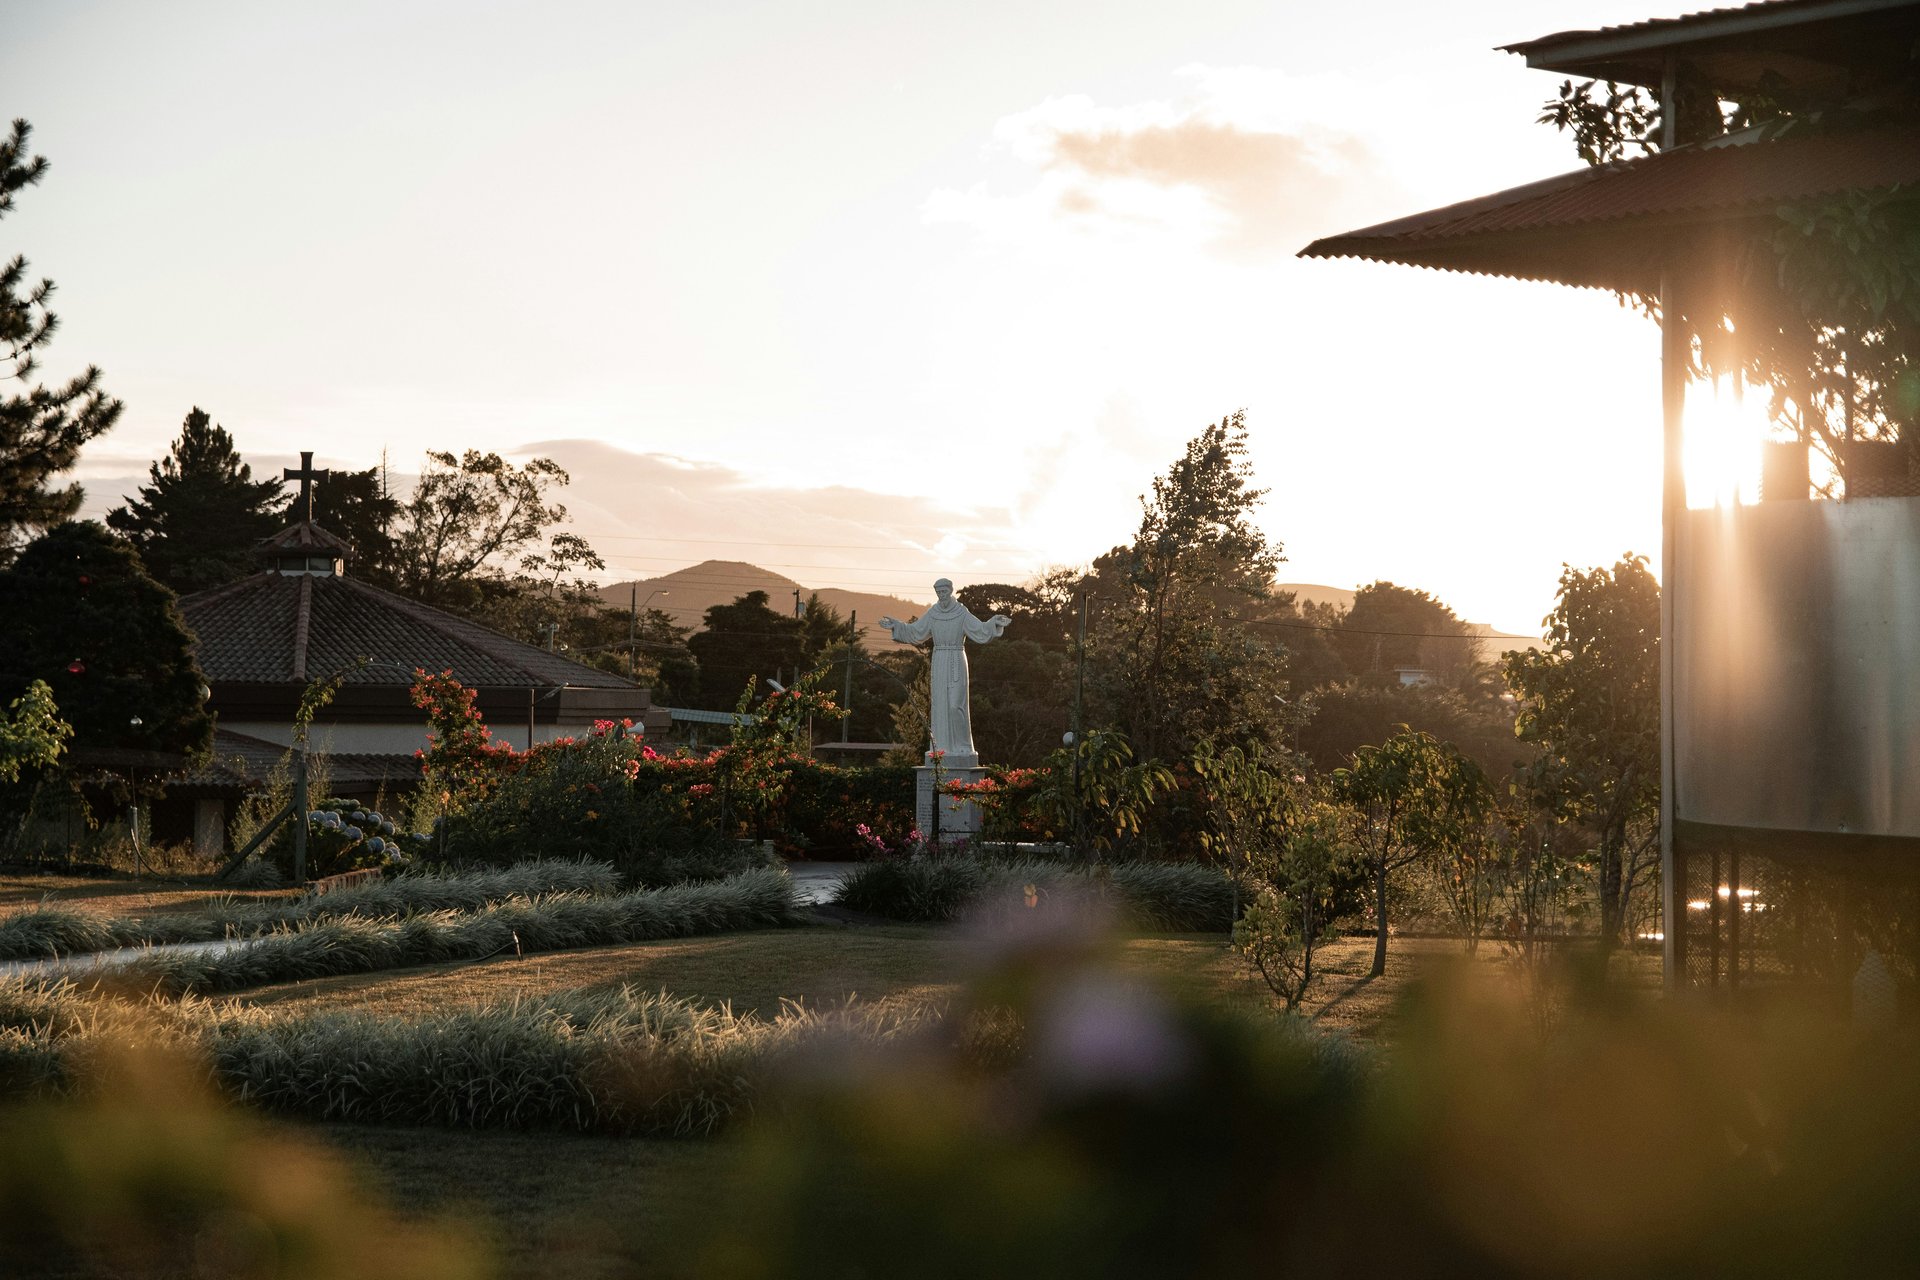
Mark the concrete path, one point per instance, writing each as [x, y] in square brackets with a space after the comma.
[816, 881]
[118, 956]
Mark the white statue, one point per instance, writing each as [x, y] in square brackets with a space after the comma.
[949, 624]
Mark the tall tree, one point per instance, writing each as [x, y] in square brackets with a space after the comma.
[197, 519]
[741, 642]
[466, 519]
[1392, 628]
[357, 506]
[1177, 654]
[107, 640]
[41, 429]
[1591, 702]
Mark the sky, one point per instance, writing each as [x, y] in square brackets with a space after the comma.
[866, 292]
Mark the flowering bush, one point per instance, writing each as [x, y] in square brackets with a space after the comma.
[610, 796]
[346, 835]
[462, 764]
[591, 797]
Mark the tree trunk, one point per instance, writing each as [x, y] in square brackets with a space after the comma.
[1380, 919]
[1613, 906]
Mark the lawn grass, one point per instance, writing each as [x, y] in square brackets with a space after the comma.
[121, 895]
[752, 973]
[574, 1205]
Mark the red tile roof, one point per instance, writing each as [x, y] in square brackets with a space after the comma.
[240, 763]
[1610, 227]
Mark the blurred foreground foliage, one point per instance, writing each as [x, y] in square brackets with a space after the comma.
[1063, 1116]
[1136, 1135]
[150, 1175]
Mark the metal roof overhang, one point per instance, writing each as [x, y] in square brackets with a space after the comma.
[1816, 46]
[1615, 226]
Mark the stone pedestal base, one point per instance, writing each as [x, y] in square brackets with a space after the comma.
[959, 819]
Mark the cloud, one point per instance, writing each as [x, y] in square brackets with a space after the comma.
[651, 513]
[1229, 165]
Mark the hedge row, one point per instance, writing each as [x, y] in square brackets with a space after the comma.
[48, 932]
[1170, 896]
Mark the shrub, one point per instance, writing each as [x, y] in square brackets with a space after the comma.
[1174, 897]
[621, 1060]
[328, 948]
[57, 931]
[346, 835]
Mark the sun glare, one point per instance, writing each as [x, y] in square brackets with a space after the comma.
[1724, 431]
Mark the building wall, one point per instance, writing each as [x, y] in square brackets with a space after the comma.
[1797, 667]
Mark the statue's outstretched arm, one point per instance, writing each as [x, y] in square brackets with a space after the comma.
[905, 632]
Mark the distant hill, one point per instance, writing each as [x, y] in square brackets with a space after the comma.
[686, 594]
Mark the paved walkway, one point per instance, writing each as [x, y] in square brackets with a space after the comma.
[118, 956]
[816, 881]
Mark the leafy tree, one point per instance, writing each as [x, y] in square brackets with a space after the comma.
[1022, 700]
[1107, 802]
[1298, 889]
[822, 628]
[1818, 301]
[1591, 703]
[107, 639]
[42, 429]
[32, 734]
[742, 643]
[1412, 796]
[1043, 613]
[1390, 628]
[1175, 655]
[548, 600]
[1357, 714]
[197, 519]
[466, 516]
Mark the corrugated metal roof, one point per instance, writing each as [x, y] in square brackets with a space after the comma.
[1610, 227]
[693, 715]
[248, 633]
[1713, 19]
[1822, 47]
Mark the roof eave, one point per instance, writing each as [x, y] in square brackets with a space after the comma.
[1580, 52]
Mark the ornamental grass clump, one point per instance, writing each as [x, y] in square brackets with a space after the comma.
[50, 932]
[1171, 897]
[621, 1061]
[331, 948]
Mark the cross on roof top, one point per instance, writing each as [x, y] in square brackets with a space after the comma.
[306, 475]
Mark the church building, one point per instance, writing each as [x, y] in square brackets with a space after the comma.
[264, 640]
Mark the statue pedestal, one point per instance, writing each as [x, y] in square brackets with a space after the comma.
[959, 818]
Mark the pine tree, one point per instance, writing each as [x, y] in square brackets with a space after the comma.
[42, 429]
[356, 506]
[107, 639]
[196, 523]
